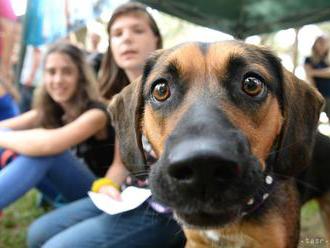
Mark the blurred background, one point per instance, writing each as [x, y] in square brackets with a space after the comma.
[27, 27]
[288, 27]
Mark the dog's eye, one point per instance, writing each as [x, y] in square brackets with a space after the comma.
[161, 91]
[253, 86]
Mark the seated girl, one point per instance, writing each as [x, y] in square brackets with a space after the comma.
[63, 143]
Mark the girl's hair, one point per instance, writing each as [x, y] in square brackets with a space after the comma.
[315, 54]
[51, 113]
[113, 78]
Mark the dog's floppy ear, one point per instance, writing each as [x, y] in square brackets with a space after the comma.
[125, 111]
[301, 106]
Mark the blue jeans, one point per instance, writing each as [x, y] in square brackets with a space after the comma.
[81, 224]
[66, 173]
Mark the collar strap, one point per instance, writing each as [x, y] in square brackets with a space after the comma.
[260, 197]
[254, 202]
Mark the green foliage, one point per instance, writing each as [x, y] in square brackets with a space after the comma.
[16, 219]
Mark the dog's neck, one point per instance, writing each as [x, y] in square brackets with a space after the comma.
[223, 240]
[240, 234]
[217, 238]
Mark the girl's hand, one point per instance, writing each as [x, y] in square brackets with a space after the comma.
[110, 191]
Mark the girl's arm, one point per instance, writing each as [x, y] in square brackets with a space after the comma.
[309, 76]
[117, 173]
[322, 73]
[26, 120]
[42, 142]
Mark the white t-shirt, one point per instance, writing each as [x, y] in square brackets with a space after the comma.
[27, 66]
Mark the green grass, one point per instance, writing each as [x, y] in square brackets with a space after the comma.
[17, 218]
[312, 230]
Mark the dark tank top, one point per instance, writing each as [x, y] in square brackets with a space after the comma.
[97, 154]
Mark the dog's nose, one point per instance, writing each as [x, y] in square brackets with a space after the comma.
[202, 163]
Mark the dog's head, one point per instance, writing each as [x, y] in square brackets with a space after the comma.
[217, 116]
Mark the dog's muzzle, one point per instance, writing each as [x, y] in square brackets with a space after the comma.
[207, 172]
[196, 163]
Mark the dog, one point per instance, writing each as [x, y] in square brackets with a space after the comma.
[233, 133]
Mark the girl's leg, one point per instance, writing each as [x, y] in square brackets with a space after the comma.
[70, 176]
[18, 177]
[49, 195]
[47, 188]
[141, 227]
[58, 220]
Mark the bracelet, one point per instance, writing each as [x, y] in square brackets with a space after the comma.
[97, 184]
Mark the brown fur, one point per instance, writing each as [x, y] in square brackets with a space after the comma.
[280, 122]
[273, 232]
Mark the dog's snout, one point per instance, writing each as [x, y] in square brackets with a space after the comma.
[202, 163]
[201, 169]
